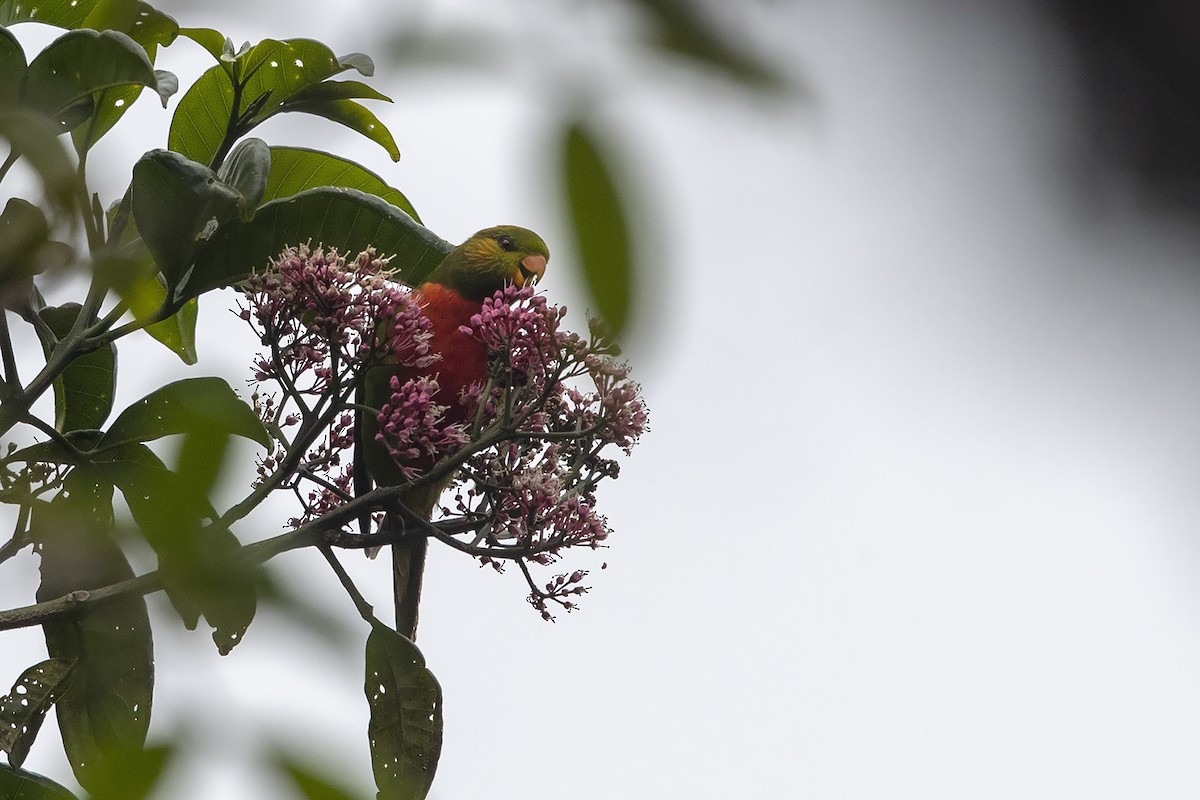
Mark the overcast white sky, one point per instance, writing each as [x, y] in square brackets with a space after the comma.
[917, 515]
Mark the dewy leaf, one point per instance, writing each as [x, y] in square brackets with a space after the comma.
[405, 727]
[117, 15]
[246, 170]
[105, 710]
[178, 206]
[16, 784]
[81, 63]
[343, 218]
[12, 69]
[294, 169]
[83, 394]
[24, 708]
[601, 229]
[182, 407]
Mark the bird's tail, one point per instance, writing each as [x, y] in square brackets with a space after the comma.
[408, 568]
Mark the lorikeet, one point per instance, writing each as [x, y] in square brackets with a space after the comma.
[450, 296]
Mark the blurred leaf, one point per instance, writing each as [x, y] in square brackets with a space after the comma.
[26, 250]
[24, 708]
[312, 785]
[343, 218]
[129, 774]
[35, 138]
[83, 393]
[405, 728]
[12, 69]
[105, 710]
[601, 229]
[185, 406]
[178, 206]
[16, 784]
[178, 331]
[132, 273]
[294, 169]
[246, 170]
[684, 30]
[77, 65]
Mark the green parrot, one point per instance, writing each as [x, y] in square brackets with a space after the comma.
[449, 297]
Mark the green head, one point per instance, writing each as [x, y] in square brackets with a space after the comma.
[491, 259]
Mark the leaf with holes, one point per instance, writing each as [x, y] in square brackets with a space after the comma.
[405, 727]
[24, 708]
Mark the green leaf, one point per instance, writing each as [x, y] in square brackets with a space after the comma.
[270, 73]
[105, 710]
[61, 13]
[246, 170]
[405, 727]
[12, 69]
[24, 708]
[295, 169]
[16, 784]
[83, 394]
[185, 406]
[178, 205]
[117, 15]
[131, 272]
[150, 28]
[77, 65]
[599, 222]
[26, 250]
[337, 90]
[311, 784]
[346, 219]
[210, 40]
[354, 116]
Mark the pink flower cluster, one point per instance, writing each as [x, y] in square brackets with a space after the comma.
[412, 427]
[320, 314]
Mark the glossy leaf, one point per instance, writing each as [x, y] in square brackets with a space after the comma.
[83, 394]
[295, 169]
[178, 206]
[600, 226]
[17, 784]
[405, 726]
[355, 117]
[184, 406]
[246, 170]
[24, 708]
[80, 63]
[343, 218]
[105, 710]
[12, 69]
[201, 119]
[117, 15]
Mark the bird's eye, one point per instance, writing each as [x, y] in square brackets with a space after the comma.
[506, 244]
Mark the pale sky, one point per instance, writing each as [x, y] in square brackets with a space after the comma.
[916, 517]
